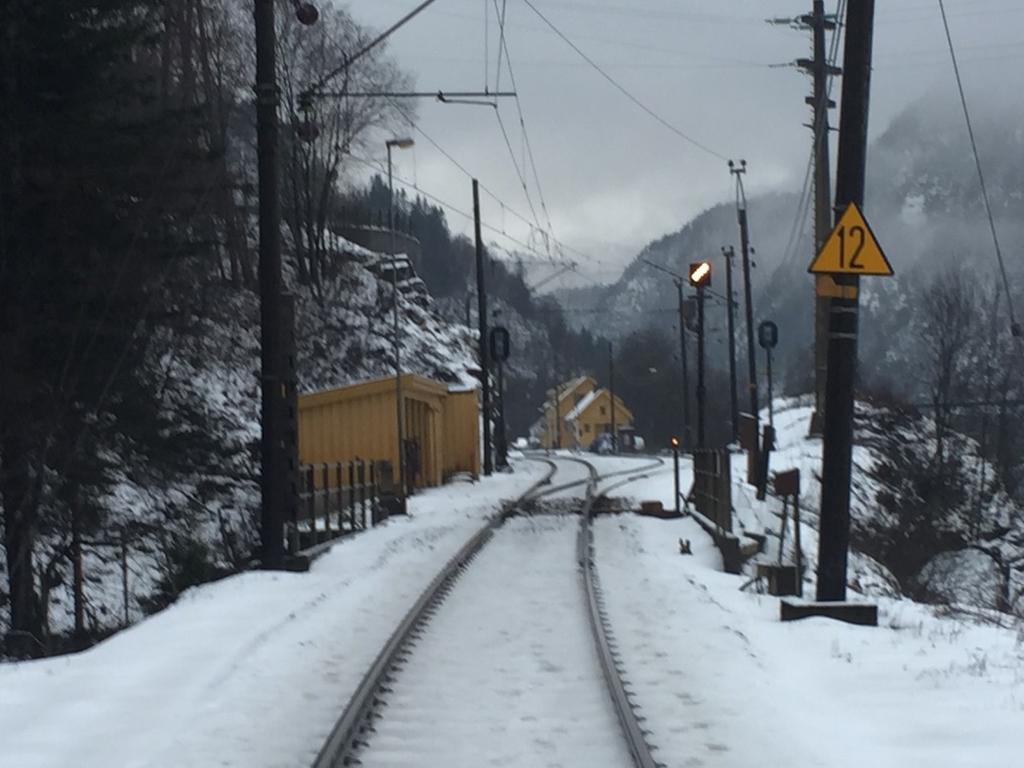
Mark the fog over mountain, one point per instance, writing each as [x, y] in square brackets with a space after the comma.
[924, 203]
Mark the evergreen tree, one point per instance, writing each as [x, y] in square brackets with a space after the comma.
[98, 198]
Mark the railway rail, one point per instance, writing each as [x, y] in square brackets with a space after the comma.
[395, 680]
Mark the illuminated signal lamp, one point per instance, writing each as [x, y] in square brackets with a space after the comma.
[700, 273]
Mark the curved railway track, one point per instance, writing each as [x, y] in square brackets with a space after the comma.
[425, 672]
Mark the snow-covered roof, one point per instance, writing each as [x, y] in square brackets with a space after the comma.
[570, 387]
[583, 404]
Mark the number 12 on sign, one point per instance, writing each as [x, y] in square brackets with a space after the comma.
[851, 249]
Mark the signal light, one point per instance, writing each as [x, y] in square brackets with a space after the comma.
[700, 273]
[675, 442]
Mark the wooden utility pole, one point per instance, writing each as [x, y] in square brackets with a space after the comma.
[837, 460]
[611, 392]
[820, 70]
[78, 577]
[550, 426]
[485, 368]
[734, 412]
[741, 215]
[558, 418]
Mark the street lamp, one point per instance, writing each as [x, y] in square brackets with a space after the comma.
[403, 143]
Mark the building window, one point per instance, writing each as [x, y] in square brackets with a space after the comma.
[586, 428]
[602, 410]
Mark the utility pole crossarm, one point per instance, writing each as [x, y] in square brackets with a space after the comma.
[441, 95]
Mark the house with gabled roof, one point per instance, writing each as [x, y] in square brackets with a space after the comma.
[584, 411]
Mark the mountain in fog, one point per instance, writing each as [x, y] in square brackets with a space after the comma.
[924, 204]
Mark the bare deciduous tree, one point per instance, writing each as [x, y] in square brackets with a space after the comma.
[323, 131]
[948, 325]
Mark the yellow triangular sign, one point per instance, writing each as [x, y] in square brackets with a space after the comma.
[851, 249]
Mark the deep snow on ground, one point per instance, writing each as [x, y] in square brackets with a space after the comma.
[506, 673]
[724, 683]
[254, 670]
[250, 671]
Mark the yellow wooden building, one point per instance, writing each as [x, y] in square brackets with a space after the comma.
[360, 422]
[583, 413]
[592, 416]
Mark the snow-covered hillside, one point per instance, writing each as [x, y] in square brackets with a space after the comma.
[966, 551]
[186, 499]
[924, 204]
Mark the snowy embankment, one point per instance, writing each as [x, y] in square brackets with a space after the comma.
[250, 671]
[723, 682]
[180, 485]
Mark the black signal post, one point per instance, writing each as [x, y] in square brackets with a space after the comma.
[276, 332]
[741, 214]
[500, 347]
[481, 297]
[768, 337]
[675, 468]
[684, 429]
[700, 278]
[730, 306]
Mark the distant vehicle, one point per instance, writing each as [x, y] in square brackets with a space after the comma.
[520, 443]
[629, 442]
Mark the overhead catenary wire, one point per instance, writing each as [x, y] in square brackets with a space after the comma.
[379, 166]
[515, 164]
[501, 41]
[562, 246]
[1014, 327]
[622, 89]
[522, 120]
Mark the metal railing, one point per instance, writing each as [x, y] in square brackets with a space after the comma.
[336, 500]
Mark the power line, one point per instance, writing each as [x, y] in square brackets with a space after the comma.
[522, 119]
[622, 88]
[515, 164]
[606, 311]
[562, 246]
[377, 165]
[501, 41]
[803, 204]
[1014, 327]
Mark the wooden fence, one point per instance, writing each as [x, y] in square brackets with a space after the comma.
[712, 487]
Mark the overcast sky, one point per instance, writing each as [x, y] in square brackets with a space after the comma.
[612, 177]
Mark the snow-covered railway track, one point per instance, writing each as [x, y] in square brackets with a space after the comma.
[508, 666]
